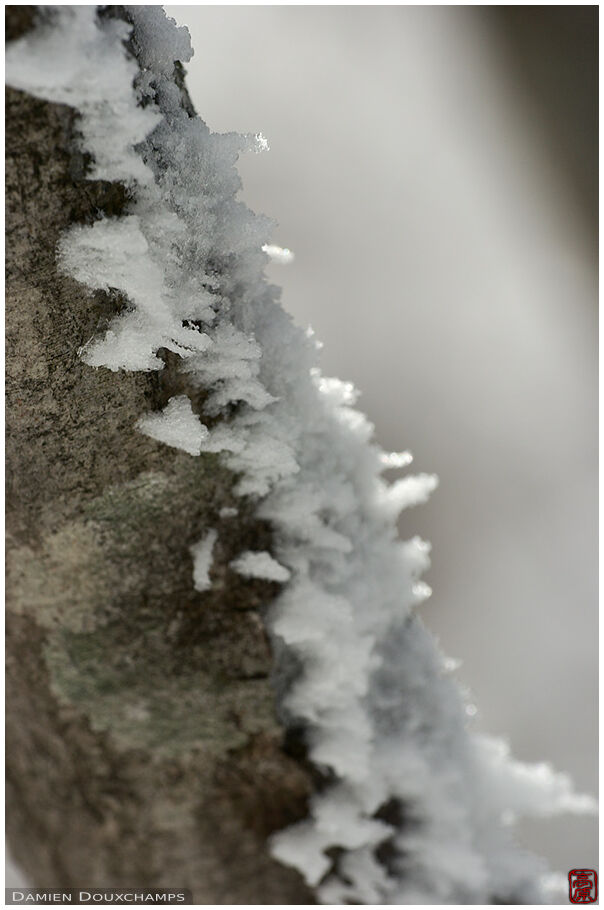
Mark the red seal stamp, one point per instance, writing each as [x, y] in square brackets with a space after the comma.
[582, 886]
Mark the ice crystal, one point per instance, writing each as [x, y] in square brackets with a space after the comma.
[417, 805]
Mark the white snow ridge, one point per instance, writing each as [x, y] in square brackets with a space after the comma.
[415, 806]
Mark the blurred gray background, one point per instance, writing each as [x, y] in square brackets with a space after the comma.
[434, 171]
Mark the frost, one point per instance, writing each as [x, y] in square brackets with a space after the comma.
[176, 426]
[417, 806]
[261, 143]
[278, 253]
[202, 560]
[396, 459]
[78, 61]
[260, 565]
[158, 40]
[406, 492]
[118, 248]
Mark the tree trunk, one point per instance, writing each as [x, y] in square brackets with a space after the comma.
[143, 743]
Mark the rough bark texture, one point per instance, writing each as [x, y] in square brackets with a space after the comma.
[143, 743]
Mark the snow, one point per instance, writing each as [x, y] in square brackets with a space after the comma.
[260, 565]
[202, 560]
[382, 717]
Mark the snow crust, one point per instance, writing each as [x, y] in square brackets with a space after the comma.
[416, 803]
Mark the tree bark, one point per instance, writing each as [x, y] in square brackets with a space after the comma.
[143, 745]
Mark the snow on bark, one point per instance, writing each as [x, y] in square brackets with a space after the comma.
[414, 806]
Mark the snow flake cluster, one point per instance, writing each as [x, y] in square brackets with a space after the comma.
[414, 804]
